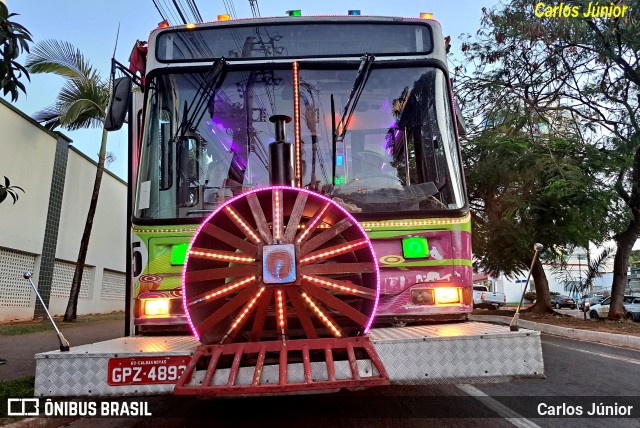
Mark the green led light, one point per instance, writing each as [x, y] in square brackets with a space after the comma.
[340, 180]
[179, 254]
[415, 247]
[296, 12]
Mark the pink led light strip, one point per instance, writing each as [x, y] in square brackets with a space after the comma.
[220, 256]
[338, 287]
[225, 290]
[313, 223]
[243, 225]
[277, 215]
[243, 314]
[336, 251]
[326, 321]
[296, 113]
[281, 313]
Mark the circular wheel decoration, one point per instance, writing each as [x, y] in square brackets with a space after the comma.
[279, 263]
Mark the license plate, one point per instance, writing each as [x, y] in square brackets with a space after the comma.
[146, 370]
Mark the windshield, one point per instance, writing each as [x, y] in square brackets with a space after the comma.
[396, 154]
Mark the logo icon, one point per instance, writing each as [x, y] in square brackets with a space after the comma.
[23, 407]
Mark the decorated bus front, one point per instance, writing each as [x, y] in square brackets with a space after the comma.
[364, 106]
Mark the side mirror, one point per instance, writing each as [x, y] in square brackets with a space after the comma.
[119, 104]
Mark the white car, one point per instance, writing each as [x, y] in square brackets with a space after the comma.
[631, 304]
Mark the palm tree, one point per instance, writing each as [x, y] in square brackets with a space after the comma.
[81, 103]
[583, 285]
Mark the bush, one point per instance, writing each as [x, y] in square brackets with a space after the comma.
[530, 296]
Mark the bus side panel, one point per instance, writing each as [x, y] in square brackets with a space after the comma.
[447, 266]
[158, 259]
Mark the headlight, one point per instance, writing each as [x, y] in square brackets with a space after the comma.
[156, 307]
[447, 295]
[422, 296]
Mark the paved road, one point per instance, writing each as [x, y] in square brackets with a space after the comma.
[19, 350]
[573, 369]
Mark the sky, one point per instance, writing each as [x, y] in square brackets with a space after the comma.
[92, 26]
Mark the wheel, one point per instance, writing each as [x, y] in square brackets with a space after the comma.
[279, 263]
[557, 305]
[630, 316]
[573, 307]
[594, 315]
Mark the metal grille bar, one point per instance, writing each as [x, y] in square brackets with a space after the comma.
[208, 357]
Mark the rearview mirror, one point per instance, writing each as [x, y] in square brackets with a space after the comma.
[119, 104]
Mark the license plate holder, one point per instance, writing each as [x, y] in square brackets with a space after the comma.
[146, 370]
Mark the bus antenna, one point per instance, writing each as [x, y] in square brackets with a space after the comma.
[116, 44]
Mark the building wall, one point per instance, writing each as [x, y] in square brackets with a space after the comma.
[576, 266]
[43, 164]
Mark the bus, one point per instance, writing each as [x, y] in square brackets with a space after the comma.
[296, 176]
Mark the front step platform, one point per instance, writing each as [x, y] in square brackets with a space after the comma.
[444, 353]
[302, 365]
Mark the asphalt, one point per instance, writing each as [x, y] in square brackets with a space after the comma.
[19, 350]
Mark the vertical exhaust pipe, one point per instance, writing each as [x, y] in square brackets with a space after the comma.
[64, 343]
[281, 156]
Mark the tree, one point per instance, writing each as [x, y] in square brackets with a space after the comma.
[14, 39]
[526, 188]
[8, 190]
[81, 103]
[588, 68]
[583, 285]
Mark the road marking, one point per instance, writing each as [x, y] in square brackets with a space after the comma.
[600, 354]
[509, 415]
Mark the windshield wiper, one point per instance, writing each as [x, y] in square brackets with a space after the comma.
[358, 86]
[205, 91]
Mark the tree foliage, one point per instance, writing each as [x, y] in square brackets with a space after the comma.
[540, 166]
[14, 39]
[590, 68]
[7, 189]
[82, 101]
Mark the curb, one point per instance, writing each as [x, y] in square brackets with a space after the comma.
[572, 333]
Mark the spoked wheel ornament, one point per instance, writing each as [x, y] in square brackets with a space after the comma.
[279, 263]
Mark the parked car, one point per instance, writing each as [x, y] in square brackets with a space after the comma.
[631, 305]
[592, 301]
[558, 302]
[483, 298]
[633, 309]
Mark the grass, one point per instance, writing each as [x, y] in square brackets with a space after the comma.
[27, 327]
[18, 388]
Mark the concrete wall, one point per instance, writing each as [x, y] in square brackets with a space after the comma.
[58, 182]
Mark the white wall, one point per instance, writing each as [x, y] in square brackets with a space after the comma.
[26, 157]
[108, 236]
[27, 154]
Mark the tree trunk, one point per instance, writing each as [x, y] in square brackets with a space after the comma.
[543, 300]
[72, 305]
[625, 242]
